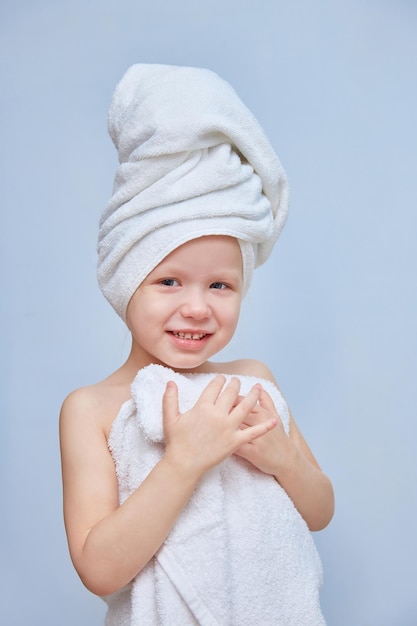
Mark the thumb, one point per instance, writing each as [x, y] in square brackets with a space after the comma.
[267, 403]
[170, 408]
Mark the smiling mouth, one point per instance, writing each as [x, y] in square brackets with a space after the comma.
[194, 336]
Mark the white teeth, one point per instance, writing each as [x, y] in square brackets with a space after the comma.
[190, 335]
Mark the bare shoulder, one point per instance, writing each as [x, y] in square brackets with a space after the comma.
[246, 367]
[94, 405]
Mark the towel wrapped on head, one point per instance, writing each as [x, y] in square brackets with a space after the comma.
[194, 161]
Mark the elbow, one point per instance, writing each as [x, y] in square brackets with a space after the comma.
[102, 576]
[98, 576]
[100, 572]
[319, 524]
[324, 516]
[98, 584]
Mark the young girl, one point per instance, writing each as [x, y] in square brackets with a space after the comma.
[189, 491]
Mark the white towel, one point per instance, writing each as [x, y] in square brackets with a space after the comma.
[239, 554]
[193, 161]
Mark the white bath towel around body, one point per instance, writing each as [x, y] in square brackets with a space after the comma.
[239, 554]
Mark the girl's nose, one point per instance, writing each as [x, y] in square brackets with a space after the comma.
[195, 306]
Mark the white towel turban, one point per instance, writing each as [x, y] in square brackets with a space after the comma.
[194, 161]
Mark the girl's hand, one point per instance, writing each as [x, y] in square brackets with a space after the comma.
[217, 426]
[269, 451]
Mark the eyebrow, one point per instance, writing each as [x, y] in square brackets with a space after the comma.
[217, 274]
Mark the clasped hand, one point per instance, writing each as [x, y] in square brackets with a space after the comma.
[220, 424]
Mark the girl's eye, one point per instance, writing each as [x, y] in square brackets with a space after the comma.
[169, 282]
[218, 285]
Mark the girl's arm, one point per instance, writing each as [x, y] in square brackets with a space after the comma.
[307, 485]
[110, 544]
[289, 459]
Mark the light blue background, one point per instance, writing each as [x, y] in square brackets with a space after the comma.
[333, 312]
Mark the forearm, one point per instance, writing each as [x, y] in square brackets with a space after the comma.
[120, 545]
[308, 487]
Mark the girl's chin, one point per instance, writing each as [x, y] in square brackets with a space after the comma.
[183, 364]
[181, 360]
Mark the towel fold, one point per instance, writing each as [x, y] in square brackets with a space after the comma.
[239, 554]
[193, 161]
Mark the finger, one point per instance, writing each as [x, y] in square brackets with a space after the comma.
[213, 389]
[229, 396]
[247, 405]
[256, 408]
[254, 432]
[237, 400]
[254, 417]
[266, 402]
[170, 409]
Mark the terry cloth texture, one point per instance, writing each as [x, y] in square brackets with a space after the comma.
[193, 161]
[239, 554]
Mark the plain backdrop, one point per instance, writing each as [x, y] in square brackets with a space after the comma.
[333, 312]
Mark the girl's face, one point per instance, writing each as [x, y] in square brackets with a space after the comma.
[187, 308]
